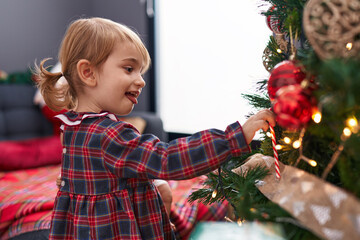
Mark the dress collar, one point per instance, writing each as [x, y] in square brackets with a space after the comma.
[73, 118]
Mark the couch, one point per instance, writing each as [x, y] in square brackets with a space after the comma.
[21, 119]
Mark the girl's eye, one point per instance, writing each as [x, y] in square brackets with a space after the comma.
[129, 69]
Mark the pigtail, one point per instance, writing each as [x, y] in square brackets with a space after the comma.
[56, 96]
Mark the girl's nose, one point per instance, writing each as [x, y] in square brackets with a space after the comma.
[140, 82]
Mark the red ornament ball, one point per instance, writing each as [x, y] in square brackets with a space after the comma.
[273, 22]
[284, 74]
[293, 108]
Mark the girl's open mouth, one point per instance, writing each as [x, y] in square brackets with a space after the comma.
[132, 96]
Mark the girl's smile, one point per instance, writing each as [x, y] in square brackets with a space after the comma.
[133, 96]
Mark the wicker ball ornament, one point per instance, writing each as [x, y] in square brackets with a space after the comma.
[332, 27]
[285, 73]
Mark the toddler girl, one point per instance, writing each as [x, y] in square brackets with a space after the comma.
[108, 167]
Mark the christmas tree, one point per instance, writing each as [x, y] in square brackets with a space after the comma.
[313, 59]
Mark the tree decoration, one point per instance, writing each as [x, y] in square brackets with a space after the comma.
[282, 43]
[333, 27]
[273, 21]
[298, 145]
[293, 108]
[285, 73]
[267, 54]
[275, 52]
[276, 156]
[352, 127]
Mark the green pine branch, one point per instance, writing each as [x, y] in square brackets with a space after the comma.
[248, 202]
[257, 101]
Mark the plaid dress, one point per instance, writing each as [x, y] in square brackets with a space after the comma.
[108, 170]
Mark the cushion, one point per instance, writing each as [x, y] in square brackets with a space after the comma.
[32, 153]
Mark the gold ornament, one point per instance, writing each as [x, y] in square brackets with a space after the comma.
[333, 27]
[281, 42]
[266, 59]
[281, 45]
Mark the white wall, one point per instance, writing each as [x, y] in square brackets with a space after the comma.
[208, 53]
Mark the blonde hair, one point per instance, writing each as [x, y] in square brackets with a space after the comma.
[92, 39]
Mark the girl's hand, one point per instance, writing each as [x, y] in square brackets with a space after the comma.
[261, 120]
[58, 181]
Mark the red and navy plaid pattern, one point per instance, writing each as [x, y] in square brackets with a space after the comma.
[108, 169]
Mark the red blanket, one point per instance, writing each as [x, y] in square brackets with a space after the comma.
[27, 198]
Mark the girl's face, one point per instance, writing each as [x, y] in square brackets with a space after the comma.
[119, 80]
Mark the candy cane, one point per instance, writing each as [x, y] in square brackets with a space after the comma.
[273, 138]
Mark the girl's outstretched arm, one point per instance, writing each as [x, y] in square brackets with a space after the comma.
[131, 155]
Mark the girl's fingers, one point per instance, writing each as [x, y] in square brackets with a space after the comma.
[268, 116]
[58, 181]
[265, 127]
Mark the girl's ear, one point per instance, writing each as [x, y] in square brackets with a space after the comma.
[86, 72]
